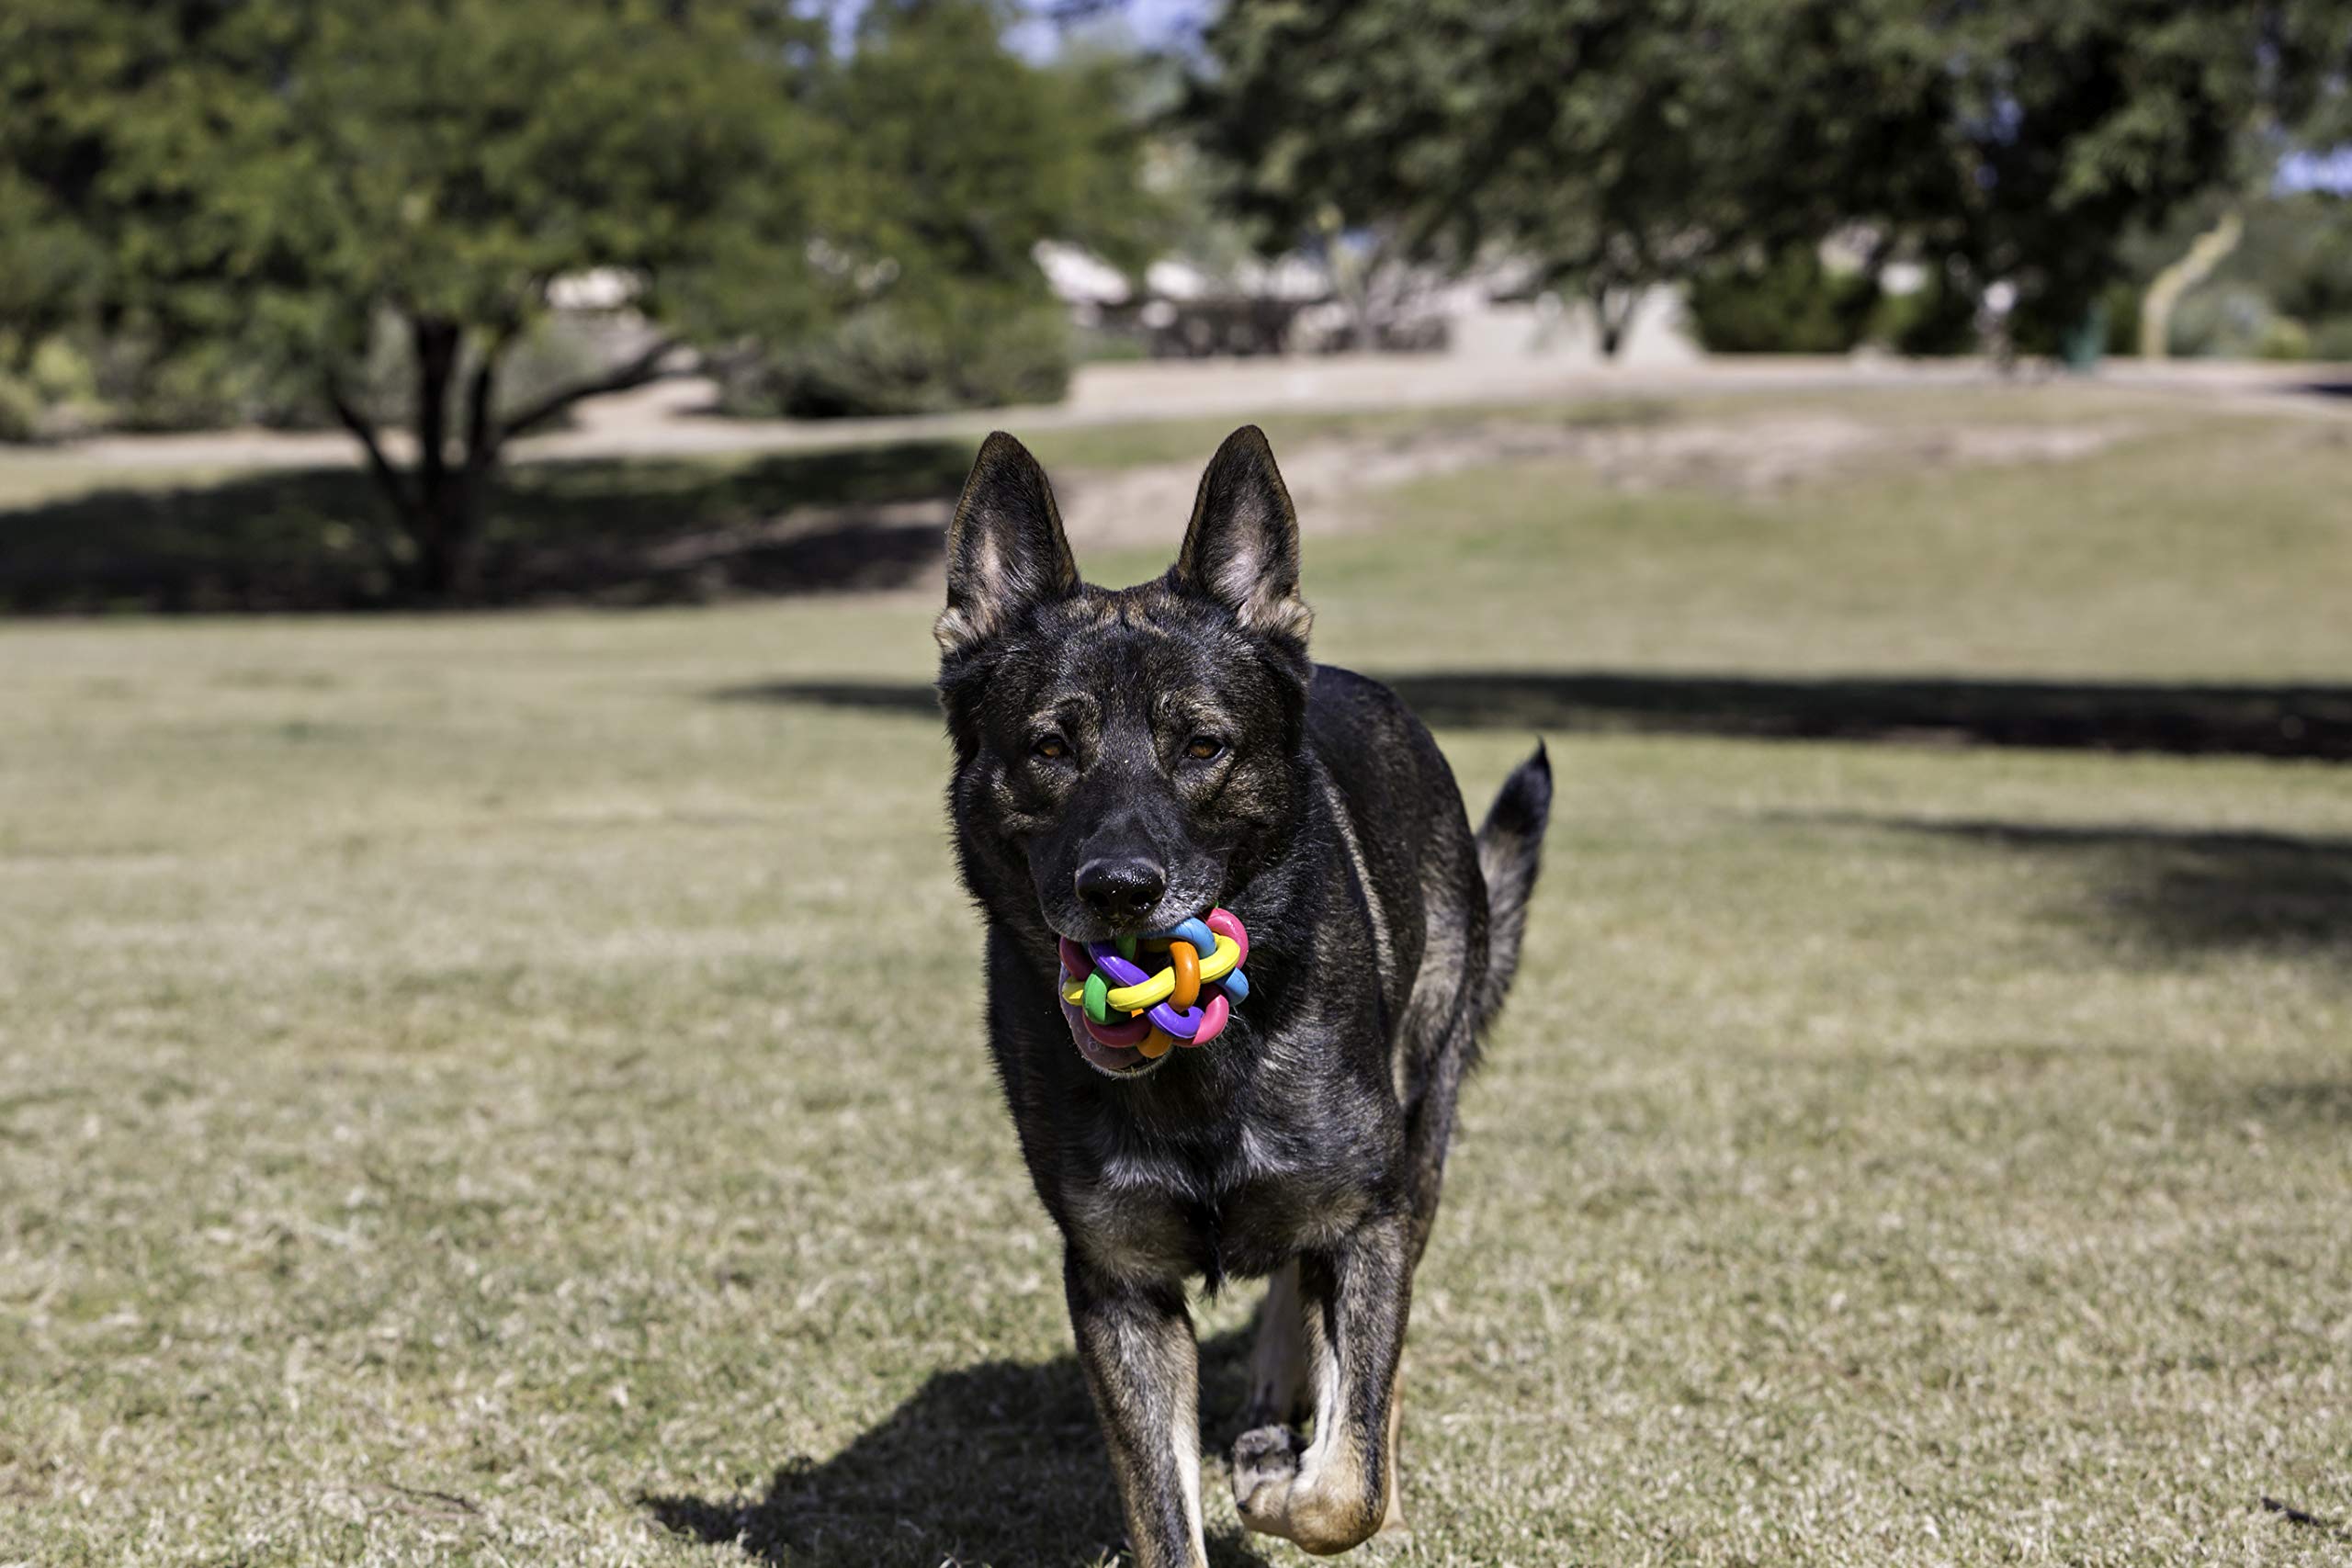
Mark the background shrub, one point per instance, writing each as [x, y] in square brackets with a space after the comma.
[889, 360]
[1938, 318]
[1789, 303]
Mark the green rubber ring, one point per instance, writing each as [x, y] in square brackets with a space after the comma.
[1126, 946]
[1098, 999]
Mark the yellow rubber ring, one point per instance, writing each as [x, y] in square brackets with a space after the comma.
[1160, 986]
[1220, 964]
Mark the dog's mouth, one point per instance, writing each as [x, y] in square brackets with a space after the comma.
[1111, 1049]
[1108, 1056]
[1130, 1001]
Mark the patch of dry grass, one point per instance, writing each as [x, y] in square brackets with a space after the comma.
[459, 1101]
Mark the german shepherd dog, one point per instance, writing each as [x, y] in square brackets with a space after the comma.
[1126, 761]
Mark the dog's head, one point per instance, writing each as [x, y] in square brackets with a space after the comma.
[1125, 759]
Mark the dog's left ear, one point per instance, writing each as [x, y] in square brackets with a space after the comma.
[1241, 550]
[1006, 550]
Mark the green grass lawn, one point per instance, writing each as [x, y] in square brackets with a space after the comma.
[460, 1099]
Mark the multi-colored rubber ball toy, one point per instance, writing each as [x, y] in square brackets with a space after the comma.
[1187, 1001]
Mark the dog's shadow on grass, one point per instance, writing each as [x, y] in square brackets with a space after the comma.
[1000, 1463]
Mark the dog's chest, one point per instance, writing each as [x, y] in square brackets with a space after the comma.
[1243, 1206]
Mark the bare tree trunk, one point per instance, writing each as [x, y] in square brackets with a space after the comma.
[1613, 310]
[1352, 279]
[440, 507]
[446, 522]
[481, 437]
[2210, 250]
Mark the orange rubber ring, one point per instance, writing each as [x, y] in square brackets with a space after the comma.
[1187, 960]
[1157, 1043]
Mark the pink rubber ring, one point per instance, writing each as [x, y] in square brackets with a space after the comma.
[1132, 1032]
[1226, 925]
[1214, 1014]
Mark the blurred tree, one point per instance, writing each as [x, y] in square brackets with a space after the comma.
[959, 157]
[287, 174]
[1616, 144]
[2077, 123]
[292, 179]
[1622, 143]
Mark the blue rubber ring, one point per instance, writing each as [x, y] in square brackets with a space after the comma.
[1195, 931]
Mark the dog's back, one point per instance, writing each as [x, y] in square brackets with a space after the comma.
[1446, 908]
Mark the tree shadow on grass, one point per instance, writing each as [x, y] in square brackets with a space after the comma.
[1000, 1463]
[2185, 889]
[2313, 722]
[2278, 721]
[606, 531]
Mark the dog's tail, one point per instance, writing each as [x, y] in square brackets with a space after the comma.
[1510, 851]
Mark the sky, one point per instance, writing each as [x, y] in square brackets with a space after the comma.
[1152, 23]
[2318, 171]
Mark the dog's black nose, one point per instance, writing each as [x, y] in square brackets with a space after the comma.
[1121, 890]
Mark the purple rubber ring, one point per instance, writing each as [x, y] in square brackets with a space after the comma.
[1117, 970]
[1182, 1025]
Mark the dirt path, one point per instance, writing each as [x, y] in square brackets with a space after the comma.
[1745, 456]
[669, 419]
[1332, 479]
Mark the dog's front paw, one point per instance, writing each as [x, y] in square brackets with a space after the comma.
[1265, 1462]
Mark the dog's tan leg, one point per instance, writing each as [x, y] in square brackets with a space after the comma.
[1392, 1503]
[1338, 1490]
[1136, 1343]
[1278, 1360]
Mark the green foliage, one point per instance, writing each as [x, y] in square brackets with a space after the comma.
[971, 347]
[276, 170]
[255, 192]
[2310, 270]
[261, 184]
[2332, 340]
[2230, 321]
[1596, 139]
[960, 158]
[1937, 319]
[21, 407]
[2076, 122]
[2120, 311]
[1624, 143]
[960, 155]
[1789, 303]
[2284, 338]
[2283, 291]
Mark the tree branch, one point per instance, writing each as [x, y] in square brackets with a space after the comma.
[637, 372]
[381, 465]
[481, 440]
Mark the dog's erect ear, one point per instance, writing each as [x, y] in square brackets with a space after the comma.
[1242, 547]
[1006, 550]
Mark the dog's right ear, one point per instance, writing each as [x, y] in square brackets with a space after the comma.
[1006, 550]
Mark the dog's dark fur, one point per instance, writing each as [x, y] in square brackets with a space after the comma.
[1126, 759]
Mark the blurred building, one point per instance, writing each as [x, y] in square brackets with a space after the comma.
[1293, 304]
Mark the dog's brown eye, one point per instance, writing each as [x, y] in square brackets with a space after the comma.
[1201, 747]
[1052, 748]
